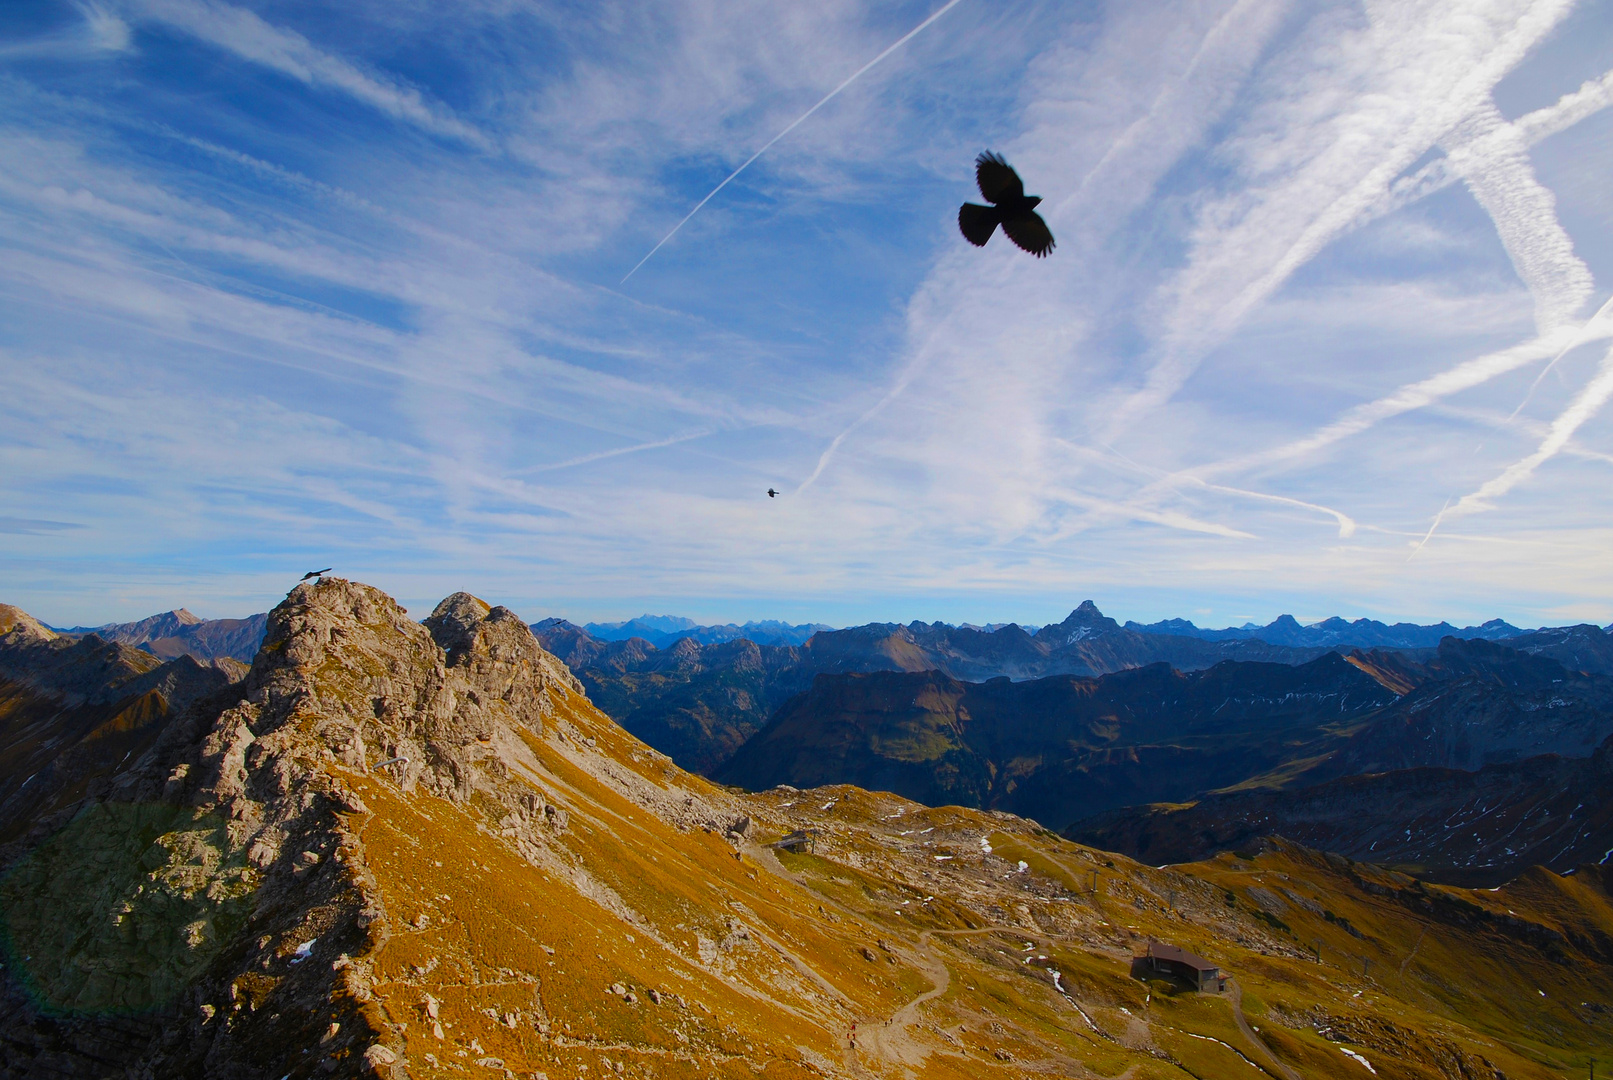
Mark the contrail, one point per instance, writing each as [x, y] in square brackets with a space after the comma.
[1579, 339]
[1430, 534]
[1585, 405]
[903, 40]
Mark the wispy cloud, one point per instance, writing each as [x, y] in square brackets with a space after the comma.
[101, 32]
[253, 316]
[1315, 164]
[242, 32]
[1586, 404]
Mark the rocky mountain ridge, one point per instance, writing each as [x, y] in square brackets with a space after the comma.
[416, 850]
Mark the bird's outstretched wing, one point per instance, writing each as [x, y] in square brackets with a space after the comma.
[1030, 232]
[977, 223]
[997, 179]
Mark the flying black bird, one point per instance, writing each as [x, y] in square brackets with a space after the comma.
[771, 494]
[315, 573]
[1011, 208]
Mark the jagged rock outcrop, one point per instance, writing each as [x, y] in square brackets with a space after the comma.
[229, 846]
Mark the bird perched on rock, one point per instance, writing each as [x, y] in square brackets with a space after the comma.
[1011, 208]
[316, 573]
[771, 494]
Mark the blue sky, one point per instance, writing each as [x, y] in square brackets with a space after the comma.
[288, 284]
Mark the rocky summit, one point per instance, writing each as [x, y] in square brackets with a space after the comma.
[416, 849]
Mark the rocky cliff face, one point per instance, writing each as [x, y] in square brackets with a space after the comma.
[408, 849]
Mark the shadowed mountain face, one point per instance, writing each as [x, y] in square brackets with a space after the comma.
[1472, 828]
[1475, 829]
[1477, 703]
[402, 849]
[1063, 748]
[1491, 761]
[179, 633]
[695, 703]
[73, 709]
[1060, 748]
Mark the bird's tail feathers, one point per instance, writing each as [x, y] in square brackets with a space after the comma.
[977, 223]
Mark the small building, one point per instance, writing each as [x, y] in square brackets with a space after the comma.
[799, 840]
[1178, 963]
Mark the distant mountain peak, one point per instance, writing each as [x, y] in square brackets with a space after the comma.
[1084, 622]
[1088, 615]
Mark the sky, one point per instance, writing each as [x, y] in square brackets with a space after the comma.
[1327, 331]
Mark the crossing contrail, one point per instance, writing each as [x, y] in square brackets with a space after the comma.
[903, 40]
[1584, 335]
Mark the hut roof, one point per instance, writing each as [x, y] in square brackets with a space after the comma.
[1158, 950]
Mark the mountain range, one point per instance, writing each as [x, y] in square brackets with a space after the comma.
[1360, 634]
[415, 849]
[757, 714]
[663, 630]
[700, 703]
[180, 633]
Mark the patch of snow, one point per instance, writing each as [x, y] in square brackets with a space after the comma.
[1358, 1057]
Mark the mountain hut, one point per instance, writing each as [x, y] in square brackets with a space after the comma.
[1176, 962]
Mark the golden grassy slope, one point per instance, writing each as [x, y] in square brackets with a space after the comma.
[630, 945]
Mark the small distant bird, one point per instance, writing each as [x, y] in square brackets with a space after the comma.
[1011, 208]
[771, 494]
[315, 573]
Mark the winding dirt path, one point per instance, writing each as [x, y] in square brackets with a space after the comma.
[1413, 954]
[1235, 992]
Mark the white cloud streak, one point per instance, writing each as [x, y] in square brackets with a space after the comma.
[1316, 165]
[1586, 404]
[248, 36]
[101, 33]
[1490, 155]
